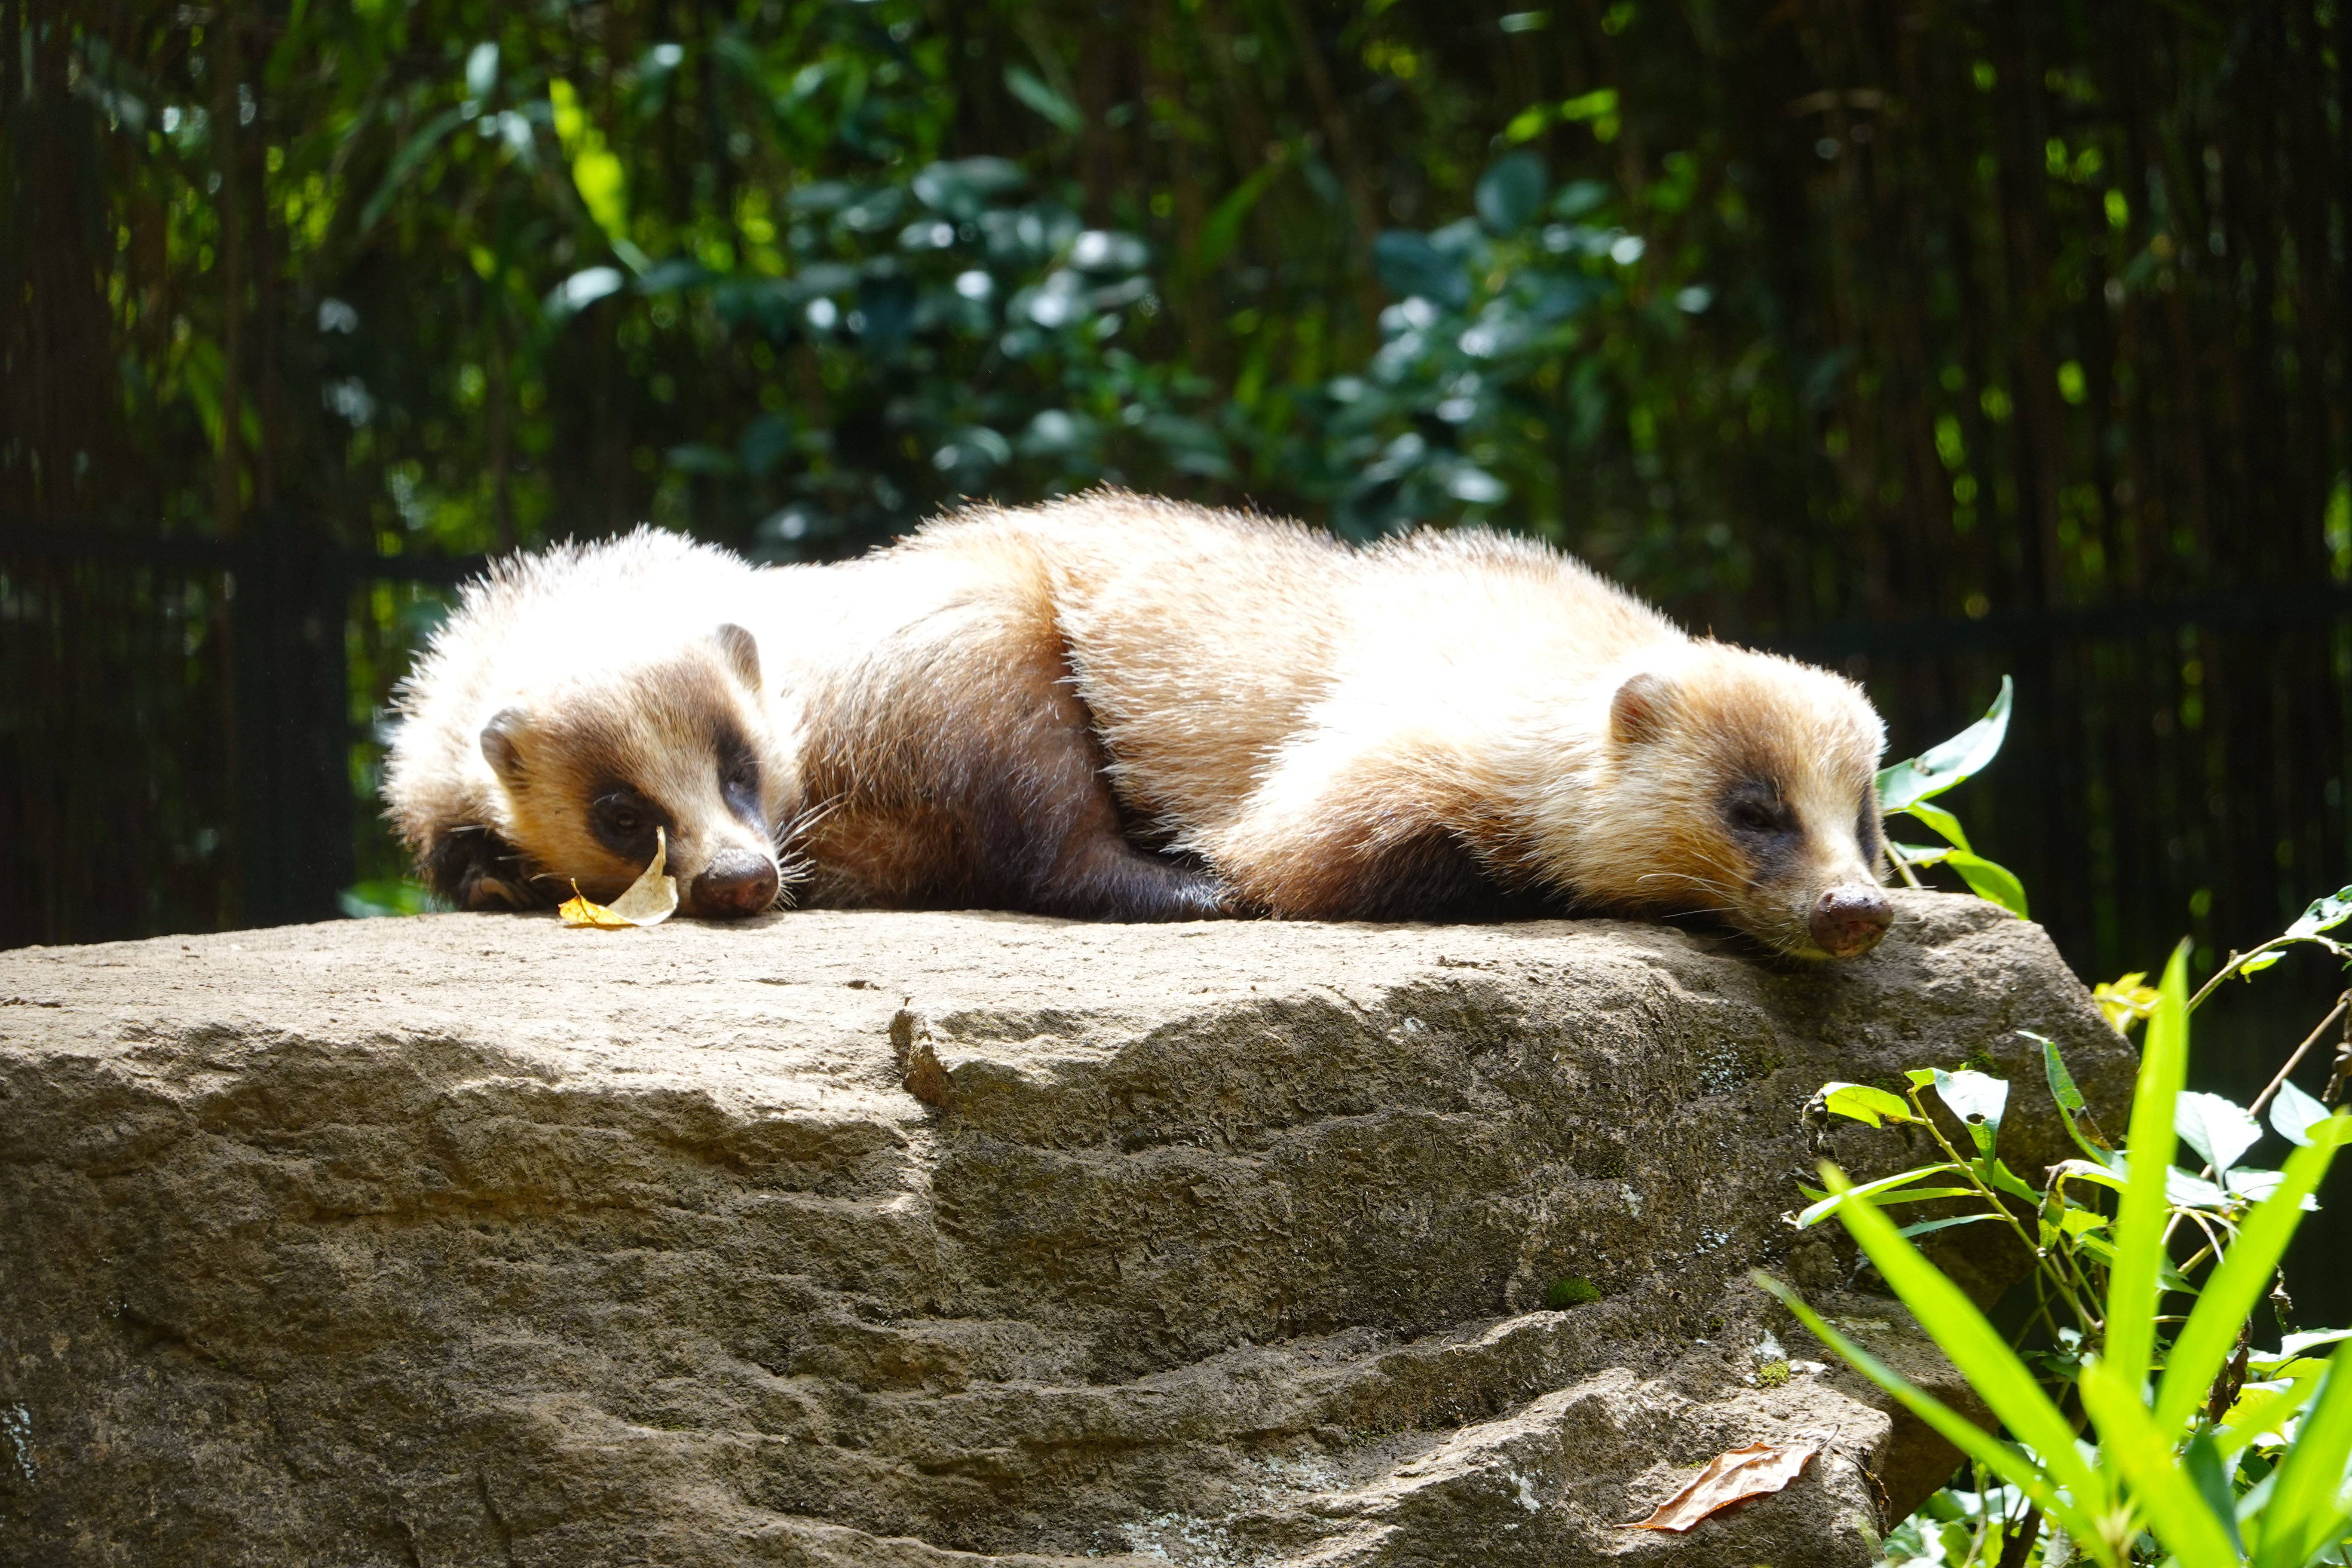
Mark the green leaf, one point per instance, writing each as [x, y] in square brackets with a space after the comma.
[1927, 1194]
[1980, 1351]
[1829, 1202]
[1942, 821]
[1031, 89]
[604, 188]
[2144, 1213]
[1978, 1099]
[2211, 1477]
[1411, 265]
[481, 70]
[962, 187]
[1925, 1225]
[2302, 1515]
[1938, 768]
[2324, 914]
[1224, 229]
[1993, 883]
[2098, 1170]
[404, 164]
[2131, 1442]
[1992, 1173]
[1511, 192]
[2294, 1113]
[1863, 1103]
[2228, 1299]
[2073, 1108]
[2102, 1250]
[2216, 1127]
[2258, 1411]
[2296, 1346]
[580, 291]
[2008, 1461]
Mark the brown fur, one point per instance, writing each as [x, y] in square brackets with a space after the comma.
[1124, 709]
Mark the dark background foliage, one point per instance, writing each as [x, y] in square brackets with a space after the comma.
[1932, 339]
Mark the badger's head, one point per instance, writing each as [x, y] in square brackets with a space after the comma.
[579, 768]
[1742, 784]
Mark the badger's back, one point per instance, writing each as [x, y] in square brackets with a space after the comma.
[1204, 642]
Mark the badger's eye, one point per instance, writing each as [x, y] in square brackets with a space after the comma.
[624, 820]
[1755, 811]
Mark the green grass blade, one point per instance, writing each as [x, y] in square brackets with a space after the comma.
[2230, 1291]
[1870, 1192]
[2140, 1218]
[2303, 1513]
[2004, 1383]
[2164, 1493]
[2008, 1461]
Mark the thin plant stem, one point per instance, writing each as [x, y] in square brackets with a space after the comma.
[2000, 1206]
[2301, 1051]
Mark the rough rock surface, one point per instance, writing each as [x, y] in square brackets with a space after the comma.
[883, 1239]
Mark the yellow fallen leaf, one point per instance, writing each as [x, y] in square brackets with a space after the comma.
[578, 909]
[650, 900]
[1731, 1477]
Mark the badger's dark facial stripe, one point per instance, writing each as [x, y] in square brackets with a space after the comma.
[739, 778]
[1865, 829]
[1764, 827]
[624, 820]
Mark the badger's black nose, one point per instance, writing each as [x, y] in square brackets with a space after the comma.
[736, 882]
[1848, 920]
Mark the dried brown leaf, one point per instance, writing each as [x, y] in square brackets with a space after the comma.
[1731, 1477]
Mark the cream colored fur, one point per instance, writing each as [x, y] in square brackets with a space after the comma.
[1311, 721]
[1281, 704]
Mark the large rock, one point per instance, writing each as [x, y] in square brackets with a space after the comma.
[881, 1239]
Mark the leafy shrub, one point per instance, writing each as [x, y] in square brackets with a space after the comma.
[2132, 1435]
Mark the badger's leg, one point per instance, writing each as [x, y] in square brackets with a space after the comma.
[962, 770]
[1337, 831]
[1045, 823]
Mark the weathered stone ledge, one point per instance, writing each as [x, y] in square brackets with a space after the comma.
[883, 1239]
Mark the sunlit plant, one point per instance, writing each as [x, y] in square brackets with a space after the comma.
[1909, 789]
[2131, 1434]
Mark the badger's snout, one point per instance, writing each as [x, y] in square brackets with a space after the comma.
[1848, 920]
[736, 883]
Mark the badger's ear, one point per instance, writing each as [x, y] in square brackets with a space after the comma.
[1640, 710]
[474, 869]
[743, 651]
[502, 747]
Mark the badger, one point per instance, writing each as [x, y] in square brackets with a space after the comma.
[1116, 708]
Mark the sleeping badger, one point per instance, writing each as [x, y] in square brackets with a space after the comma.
[1118, 708]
